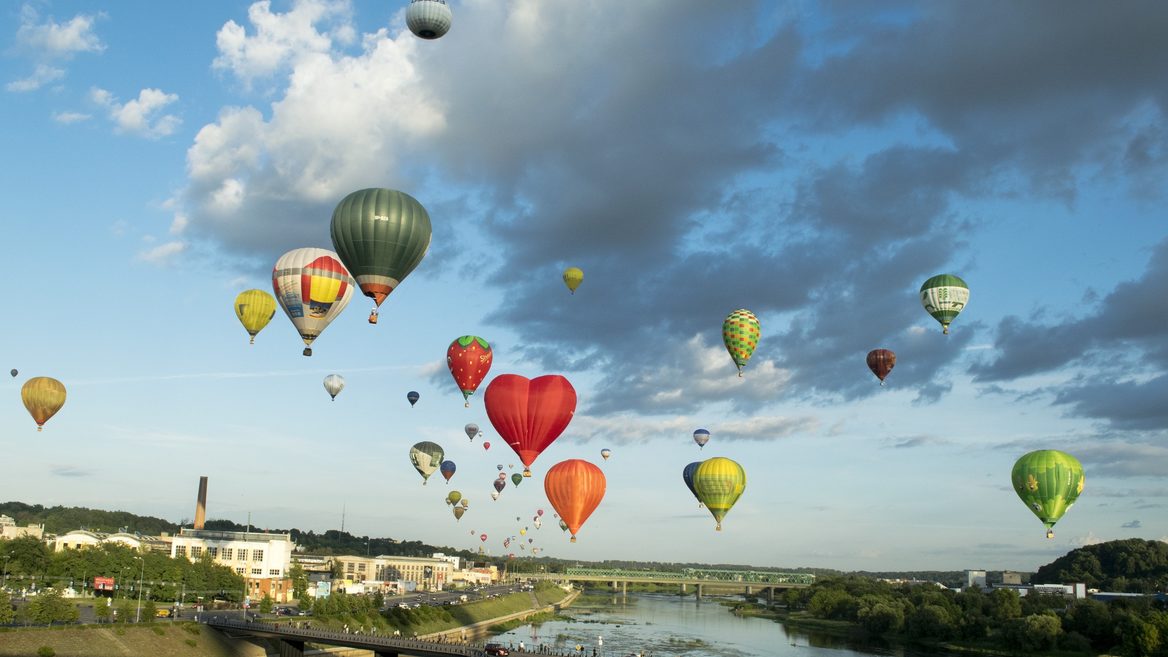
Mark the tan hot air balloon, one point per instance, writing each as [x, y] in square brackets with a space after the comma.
[43, 397]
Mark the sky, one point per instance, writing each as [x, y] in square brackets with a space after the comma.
[811, 162]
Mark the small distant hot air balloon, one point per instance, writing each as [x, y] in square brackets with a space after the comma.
[718, 483]
[944, 296]
[741, 333]
[254, 308]
[516, 478]
[464, 502]
[453, 497]
[494, 495]
[499, 485]
[573, 276]
[881, 362]
[1048, 482]
[701, 437]
[483, 537]
[428, 19]
[605, 453]
[447, 468]
[469, 359]
[502, 476]
[486, 445]
[381, 235]
[458, 511]
[537, 522]
[538, 512]
[13, 372]
[530, 413]
[575, 488]
[523, 532]
[426, 457]
[412, 397]
[500, 467]
[563, 526]
[334, 384]
[472, 430]
[313, 287]
[687, 475]
[43, 396]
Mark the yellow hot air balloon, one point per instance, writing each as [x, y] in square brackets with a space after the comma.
[573, 276]
[43, 397]
[718, 483]
[255, 309]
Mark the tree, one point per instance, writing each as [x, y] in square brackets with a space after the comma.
[7, 615]
[299, 581]
[102, 609]
[266, 604]
[1004, 604]
[880, 615]
[49, 607]
[930, 621]
[1092, 619]
[1140, 638]
[126, 611]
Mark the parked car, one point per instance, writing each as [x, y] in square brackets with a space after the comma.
[496, 649]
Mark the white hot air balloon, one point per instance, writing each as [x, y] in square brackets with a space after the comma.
[334, 384]
[313, 287]
[428, 19]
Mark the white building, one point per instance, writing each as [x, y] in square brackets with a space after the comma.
[9, 530]
[262, 558]
[77, 539]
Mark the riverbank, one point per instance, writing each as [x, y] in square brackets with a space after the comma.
[156, 640]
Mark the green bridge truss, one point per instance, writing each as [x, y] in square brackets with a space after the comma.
[692, 574]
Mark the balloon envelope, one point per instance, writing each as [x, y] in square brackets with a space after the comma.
[881, 362]
[701, 437]
[412, 397]
[494, 495]
[426, 457]
[486, 445]
[469, 359]
[573, 276]
[1048, 482]
[458, 511]
[428, 19]
[718, 483]
[381, 235]
[447, 468]
[530, 413]
[334, 384]
[499, 485]
[13, 372]
[687, 475]
[483, 538]
[254, 308]
[575, 488]
[740, 333]
[43, 396]
[605, 453]
[453, 497]
[516, 478]
[472, 430]
[313, 287]
[944, 296]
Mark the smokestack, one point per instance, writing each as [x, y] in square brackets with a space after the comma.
[201, 507]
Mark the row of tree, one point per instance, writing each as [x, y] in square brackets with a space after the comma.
[997, 619]
[30, 564]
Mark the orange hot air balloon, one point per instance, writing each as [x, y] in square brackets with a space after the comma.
[575, 488]
[530, 413]
[43, 396]
[881, 362]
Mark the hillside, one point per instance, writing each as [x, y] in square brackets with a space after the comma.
[1133, 565]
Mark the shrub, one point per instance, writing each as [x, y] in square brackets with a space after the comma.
[158, 630]
[46, 651]
[191, 642]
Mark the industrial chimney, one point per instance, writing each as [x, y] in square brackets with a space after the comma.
[201, 507]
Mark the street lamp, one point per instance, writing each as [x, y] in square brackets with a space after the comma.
[138, 616]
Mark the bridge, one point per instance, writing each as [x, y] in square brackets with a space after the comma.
[290, 641]
[700, 578]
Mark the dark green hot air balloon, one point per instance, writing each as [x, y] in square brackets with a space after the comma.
[381, 235]
[1048, 482]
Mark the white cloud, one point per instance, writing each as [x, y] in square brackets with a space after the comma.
[142, 116]
[625, 429]
[179, 224]
[70, 117]
[280, 40]
[43, 75]
[163, 254]
[55, 40]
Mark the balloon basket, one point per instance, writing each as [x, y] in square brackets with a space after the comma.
[1050, 533]
[573, 539]
[526, 472]
[307, 351]
[467, 405]
[40, 428]
[718, 528]
[252, 340]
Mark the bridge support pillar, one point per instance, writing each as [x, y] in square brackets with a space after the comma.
[291, 648]
[699, 592]
[749, 590]
[625, 587]
[771, 595]
[683, 587]
[615, 585]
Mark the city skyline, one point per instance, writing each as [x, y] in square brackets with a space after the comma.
[812, 163]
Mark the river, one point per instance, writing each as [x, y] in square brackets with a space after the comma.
[668, 626]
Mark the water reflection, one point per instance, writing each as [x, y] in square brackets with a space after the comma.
[666, 626]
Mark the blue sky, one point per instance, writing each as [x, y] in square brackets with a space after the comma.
[813, 163]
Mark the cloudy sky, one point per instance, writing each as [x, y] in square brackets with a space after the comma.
[813, 162]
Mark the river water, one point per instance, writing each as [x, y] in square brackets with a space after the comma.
[668, 626]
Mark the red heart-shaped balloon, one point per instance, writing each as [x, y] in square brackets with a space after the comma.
[530, 413]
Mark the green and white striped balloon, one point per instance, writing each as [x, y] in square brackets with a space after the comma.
[944, 296]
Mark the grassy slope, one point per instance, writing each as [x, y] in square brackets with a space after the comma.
[121, 641]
